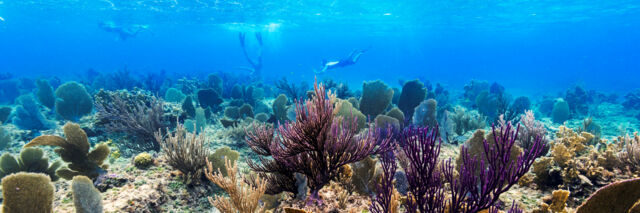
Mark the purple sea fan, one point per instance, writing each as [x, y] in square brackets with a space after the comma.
[317, 144]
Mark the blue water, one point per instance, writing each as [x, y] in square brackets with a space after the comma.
[530, 47]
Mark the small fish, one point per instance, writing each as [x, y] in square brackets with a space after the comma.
[1, 19]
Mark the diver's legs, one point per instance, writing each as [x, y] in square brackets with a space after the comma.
[356, 57]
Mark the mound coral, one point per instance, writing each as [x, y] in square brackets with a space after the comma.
[45, 93]
[364, 171]
[345, 110]
[174, 95]
[376, 97]
[73, 101]
[188, 108]
[217, 159]
[397, 114]
[75, 150]
[86, 198]
[561, 111]
[425, 114]
[412, 94]
[209, 98]
[5, 112]
[143, 160]
[465, 121]
[27, 192]
[28, 116]
[30, 160]
[316, 145]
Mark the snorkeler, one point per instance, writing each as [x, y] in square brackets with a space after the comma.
[123, 32]
[350, 60]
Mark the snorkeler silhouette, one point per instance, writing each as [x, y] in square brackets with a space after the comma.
[123, 32]
[350, 60]
[256, 65]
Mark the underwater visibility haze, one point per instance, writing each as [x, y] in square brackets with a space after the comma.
[320, 106]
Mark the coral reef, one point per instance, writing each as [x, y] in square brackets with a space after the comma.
[27, 192]
[331, 149]
[75, 150]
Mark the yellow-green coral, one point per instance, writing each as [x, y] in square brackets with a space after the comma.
[576, 161]
[217, 159]
[347, 111]
[559, 200]
[86, 198]
[616, 197]
[363, 178]
[75, 150]
[143, 160]
[30, 160]
[27, 192]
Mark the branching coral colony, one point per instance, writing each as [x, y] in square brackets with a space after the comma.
[472, 189]
[316, 145]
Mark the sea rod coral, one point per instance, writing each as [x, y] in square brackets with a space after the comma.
[468, 190]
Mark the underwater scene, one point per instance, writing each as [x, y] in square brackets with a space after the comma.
[293, 106]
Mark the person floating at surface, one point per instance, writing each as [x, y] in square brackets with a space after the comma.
[256, 65]
[123, 32]
[350, 60]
